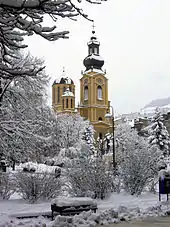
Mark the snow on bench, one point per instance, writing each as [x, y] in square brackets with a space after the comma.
[72, 205]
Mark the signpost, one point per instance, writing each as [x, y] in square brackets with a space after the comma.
[164, 185]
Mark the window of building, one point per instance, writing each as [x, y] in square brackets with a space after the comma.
[90, 50]
[64, 89]
[100, 119]
[58, 98]
[95, 50]
[66, 103]
[100, 135]
[70, 88]
[85, 93]
[54, 99]
[71, 103]
[63, 103]
[99, 92]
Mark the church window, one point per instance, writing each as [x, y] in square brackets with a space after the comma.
[86, 93]
[99, 92]
[90, 50]
[99, 81]
[100, 135]
[100, 118]
[54, 99]
[95, 50]
[63, 103]
[71, 103]
[66, 103]
[58, 94]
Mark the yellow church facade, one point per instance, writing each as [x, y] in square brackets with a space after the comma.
[94, 103]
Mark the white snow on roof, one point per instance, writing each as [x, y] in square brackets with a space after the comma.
[131, 123]
[67, 80]
[68, 93]
[95, 56]
[99, 71]
[93, 41]
[57, 81]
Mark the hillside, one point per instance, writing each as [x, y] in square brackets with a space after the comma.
[158, 102]
[163, 104]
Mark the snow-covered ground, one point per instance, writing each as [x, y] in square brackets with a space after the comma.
[113, 209]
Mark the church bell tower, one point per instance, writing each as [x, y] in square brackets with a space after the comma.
[94, 102]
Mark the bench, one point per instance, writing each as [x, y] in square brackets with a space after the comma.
[71, 206]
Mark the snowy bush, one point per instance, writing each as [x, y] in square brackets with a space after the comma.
[139, 166]
[36, 186]
[7, 186]
[90, 177]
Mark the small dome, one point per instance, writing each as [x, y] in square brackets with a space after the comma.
[66, 80]
[63, 79]
[93, 61]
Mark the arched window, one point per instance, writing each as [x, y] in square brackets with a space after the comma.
[71, 103]
[99, 92]
[100, 119]
[90, 50]
[58, 94]
[95, 50]
[86, 93]
[54, 94]
[100, 135]
[63, 103]
[66, 103]
[64, 89]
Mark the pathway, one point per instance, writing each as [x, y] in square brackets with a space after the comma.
[149, 222]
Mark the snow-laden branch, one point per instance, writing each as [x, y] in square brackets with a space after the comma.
[20, 18]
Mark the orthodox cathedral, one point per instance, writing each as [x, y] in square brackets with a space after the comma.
[94, 104]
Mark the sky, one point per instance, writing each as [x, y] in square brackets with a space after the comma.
[134, 40]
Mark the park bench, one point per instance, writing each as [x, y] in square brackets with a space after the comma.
[71, 206]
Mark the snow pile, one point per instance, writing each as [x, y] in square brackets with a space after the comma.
[40, 168]
[90, 219]
[35, 222]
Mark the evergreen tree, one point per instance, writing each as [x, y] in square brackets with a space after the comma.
[158, 134]
[88, 137]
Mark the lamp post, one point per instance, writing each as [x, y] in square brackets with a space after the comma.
[111, 116]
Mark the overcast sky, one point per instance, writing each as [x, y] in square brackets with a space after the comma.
[135, 44]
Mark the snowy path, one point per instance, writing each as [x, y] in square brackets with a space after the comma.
[14, 205]
[149, 222]
[115, 200]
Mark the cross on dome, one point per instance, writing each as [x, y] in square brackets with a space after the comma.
[93, 26]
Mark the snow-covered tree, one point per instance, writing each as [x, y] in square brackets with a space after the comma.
[158, 134]
[88, 137]
[139, 164]
[24, 116]
[69, 130]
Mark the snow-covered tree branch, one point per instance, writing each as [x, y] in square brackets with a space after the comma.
[20, 18]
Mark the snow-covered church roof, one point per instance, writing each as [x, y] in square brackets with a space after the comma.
[68, 93]
[63, 79]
